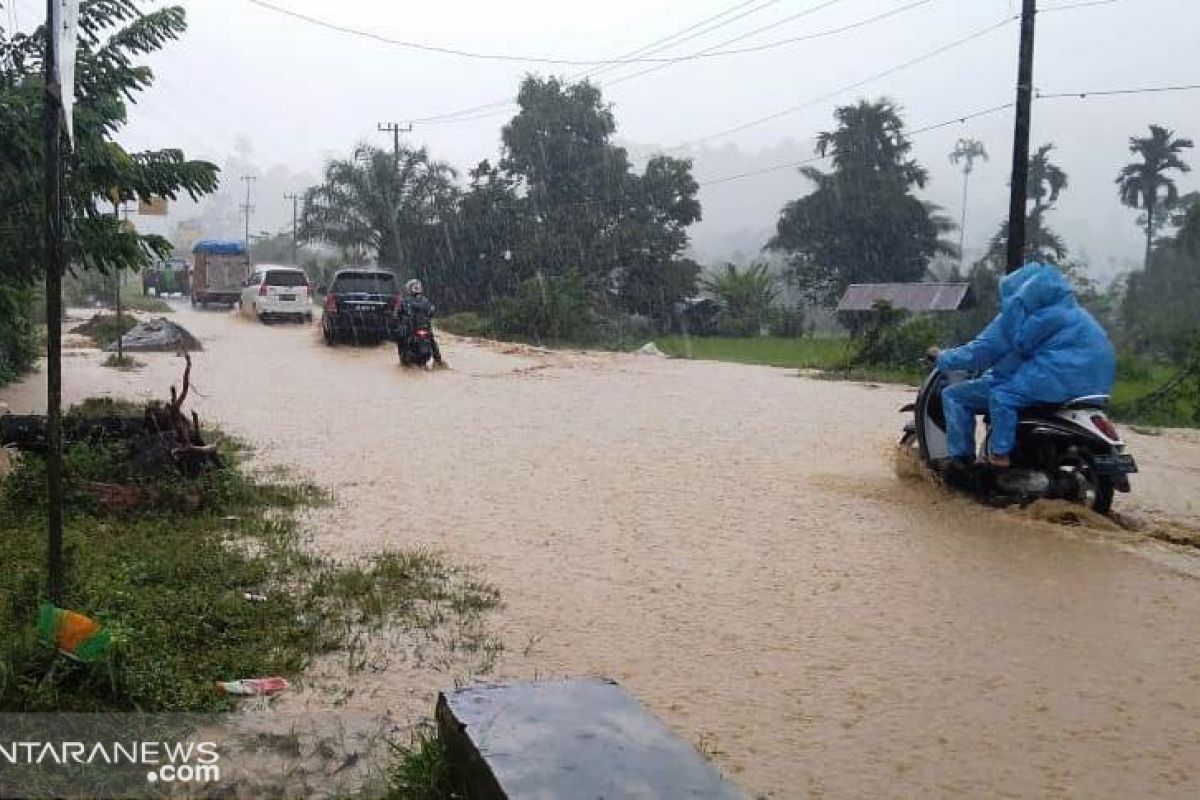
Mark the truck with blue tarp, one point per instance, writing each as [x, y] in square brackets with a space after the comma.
[219, 269]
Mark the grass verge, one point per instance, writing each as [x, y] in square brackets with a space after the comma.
[181, 588]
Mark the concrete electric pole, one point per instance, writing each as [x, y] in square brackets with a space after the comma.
[247, 210]
[1020, 167]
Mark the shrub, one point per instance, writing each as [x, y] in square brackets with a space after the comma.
[787, 322]
[554, 308]
[466, 323]
[894, 340]
[18, 335]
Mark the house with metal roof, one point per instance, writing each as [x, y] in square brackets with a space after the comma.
[915, 298]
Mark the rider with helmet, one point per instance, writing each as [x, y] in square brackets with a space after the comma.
[414, 313]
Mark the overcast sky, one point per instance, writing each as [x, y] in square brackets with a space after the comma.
[296, 93]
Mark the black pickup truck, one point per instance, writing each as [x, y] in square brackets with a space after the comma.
[360, 305]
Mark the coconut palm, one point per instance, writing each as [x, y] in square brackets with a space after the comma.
[389, 204]
[966, 152]
[1145, 184]
[1047, 181]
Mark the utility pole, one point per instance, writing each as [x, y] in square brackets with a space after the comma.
[295, 198]
[55, 258]
[117, 213]
[395, 128]
[1020, 167]
[247, 210]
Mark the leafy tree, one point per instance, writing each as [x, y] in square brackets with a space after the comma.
[1159, 307]
[578, 205]
[1145, 184]
[392, 206]
[746, 298]
[862, 224]
[114, 36]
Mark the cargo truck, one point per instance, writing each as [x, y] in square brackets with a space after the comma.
[219, 270]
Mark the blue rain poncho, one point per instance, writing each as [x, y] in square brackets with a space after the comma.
[1042, 347]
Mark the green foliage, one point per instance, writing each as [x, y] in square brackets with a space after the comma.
[114, 36]
[564, 198]
[18, 336]
[422, 770]
[898, 343]
[546, 308]
[1158, 311]
[390, 205]
[467, 323]
[1047, 181]
[862, 224]
[831, 353]
[746, 298]
[1146, 184]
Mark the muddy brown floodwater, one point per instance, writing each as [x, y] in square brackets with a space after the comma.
[731, 543]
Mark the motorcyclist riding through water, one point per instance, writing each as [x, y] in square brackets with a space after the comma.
[1042, 348]
[415, 313]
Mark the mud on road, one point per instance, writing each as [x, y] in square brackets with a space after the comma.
[732, 544]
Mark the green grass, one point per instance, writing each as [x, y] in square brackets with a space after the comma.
[1135, 379]
[421, 770]
[136, 301]
[812, 352]
[170, 583]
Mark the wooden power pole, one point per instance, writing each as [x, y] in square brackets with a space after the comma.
[1020, 166]
[55, 258]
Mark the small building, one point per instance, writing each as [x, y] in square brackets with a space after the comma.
[914, 298]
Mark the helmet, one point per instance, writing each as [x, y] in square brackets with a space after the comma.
[414, 287]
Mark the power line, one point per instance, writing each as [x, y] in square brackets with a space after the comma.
[679, 37]
[962, 119]
[814, 159]
[857, 84]
[656, 46]
[454, 51]
[1072, 6]
[1111, 92]
[710, 52]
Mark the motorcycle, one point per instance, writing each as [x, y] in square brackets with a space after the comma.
[1070, 451]
[416, 348]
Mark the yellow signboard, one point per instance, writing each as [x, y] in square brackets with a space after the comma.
[154, 207]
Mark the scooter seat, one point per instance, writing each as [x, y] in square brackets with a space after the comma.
[1091, 402]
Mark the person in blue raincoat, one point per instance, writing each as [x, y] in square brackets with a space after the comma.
[1042, 348]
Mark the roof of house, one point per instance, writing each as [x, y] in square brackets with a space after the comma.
[913, 297]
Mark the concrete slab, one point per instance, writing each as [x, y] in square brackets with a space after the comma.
[584, 738]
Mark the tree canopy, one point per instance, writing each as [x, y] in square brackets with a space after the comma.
[1146, 183]
[114, 36]
[863, 223]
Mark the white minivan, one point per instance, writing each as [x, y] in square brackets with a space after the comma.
[274, 292]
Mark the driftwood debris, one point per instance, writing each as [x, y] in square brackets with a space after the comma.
[162, 441]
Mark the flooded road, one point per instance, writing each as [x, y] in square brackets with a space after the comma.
[731, 543]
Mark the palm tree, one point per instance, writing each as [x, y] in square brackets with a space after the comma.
[1047, 181]
[966, 152]
[1145, 184]
[745, 296]
[389, 204]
